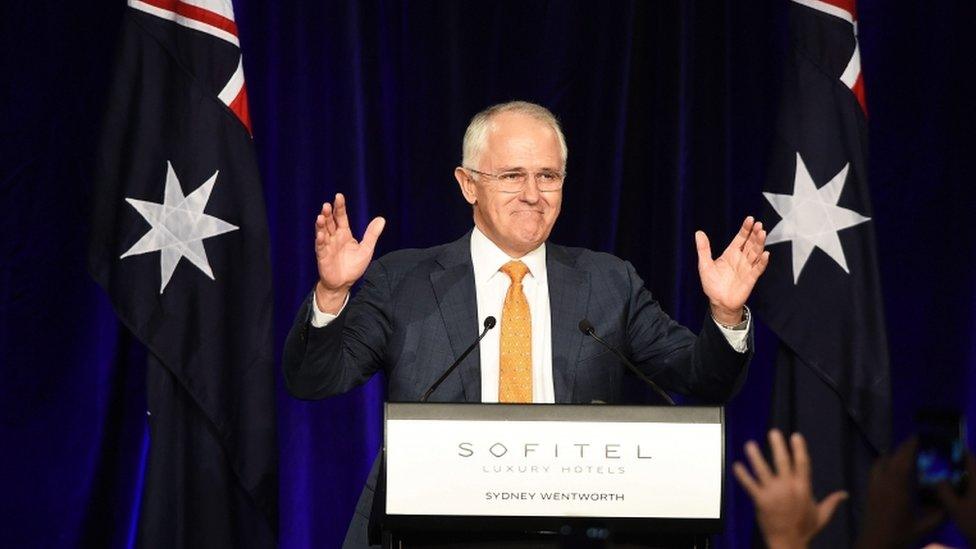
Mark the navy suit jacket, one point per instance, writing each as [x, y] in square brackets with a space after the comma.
[416, 311]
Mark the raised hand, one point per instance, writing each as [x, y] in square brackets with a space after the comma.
[962, 508]
[341, 259]
[788, 515]
[728, 280]
[894, 518]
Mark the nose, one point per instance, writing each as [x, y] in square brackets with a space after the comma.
[530, 192]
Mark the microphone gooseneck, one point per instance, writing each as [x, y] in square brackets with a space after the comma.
[587, 328]
[488, 324]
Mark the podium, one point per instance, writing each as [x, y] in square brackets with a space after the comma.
[548, 475]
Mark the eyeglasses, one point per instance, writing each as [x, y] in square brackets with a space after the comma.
[514, 181]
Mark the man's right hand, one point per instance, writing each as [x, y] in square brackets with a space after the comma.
[341, 259]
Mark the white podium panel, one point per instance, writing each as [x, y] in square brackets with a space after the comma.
[554, 461]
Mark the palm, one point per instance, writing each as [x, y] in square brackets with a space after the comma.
[723, 283]
[789, 506]
[341, 259]
[788, 514]
[728, 280]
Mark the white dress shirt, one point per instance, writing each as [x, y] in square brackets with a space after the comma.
[491, 285]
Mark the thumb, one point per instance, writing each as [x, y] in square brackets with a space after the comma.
[373, 231]
[826, 508]
[947, 497]
[928, 521]
[704, 248]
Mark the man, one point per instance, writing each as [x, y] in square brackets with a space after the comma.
[419, 309]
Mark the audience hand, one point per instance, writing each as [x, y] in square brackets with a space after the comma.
[787, 513]
[962, 508]
[892, 520]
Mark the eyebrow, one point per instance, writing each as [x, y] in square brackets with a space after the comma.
[521, 169]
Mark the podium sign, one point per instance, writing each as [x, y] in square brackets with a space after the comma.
[596, 461]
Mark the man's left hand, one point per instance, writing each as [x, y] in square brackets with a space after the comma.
[728, 280]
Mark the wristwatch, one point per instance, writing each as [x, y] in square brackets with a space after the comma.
[741, 325]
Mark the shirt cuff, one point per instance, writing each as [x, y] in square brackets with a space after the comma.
[320, 319]
[738, 335]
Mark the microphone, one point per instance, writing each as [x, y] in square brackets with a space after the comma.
[587, 328]
[489, 324]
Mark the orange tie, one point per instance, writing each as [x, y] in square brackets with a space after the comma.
[515, 358]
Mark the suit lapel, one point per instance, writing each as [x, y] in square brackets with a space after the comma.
[569, 293]
[457, 301]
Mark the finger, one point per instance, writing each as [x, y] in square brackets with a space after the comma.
[903, 459]
[325, 220]
[753, 246]
[781, 456]
[929, 520]
[877, 469]
[740, 238]
[826, 508]
[749, 257]
[704, 249]
[760, 243]
[745, 479]
[755, 236]
[322, 225]
[320, 218]
[759, 466]
[341, 218]
[947, 497]
[801, 459]
[330, 220]
[322, 231]
[760, 267]
[373, 231]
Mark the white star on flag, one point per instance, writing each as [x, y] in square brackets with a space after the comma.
[812, 218]
[179, 227]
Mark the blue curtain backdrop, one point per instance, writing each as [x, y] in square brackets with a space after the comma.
[668, 108]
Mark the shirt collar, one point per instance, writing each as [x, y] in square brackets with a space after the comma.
[487, 258]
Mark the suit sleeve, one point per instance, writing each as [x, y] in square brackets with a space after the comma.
[322, 362]
[704, 366]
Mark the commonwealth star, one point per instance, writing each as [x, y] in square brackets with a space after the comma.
[811, 218]
[178, 227]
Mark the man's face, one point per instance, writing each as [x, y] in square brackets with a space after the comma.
[516, 222]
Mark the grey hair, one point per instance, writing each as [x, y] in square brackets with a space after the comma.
[476, 136]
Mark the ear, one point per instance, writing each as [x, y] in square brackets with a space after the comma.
[468, 187]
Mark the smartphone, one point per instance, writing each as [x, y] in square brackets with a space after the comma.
[941, 453]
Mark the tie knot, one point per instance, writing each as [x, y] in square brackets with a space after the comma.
[515, 270]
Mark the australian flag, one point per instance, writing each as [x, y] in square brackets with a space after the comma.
[821, 294]
[180, 243]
